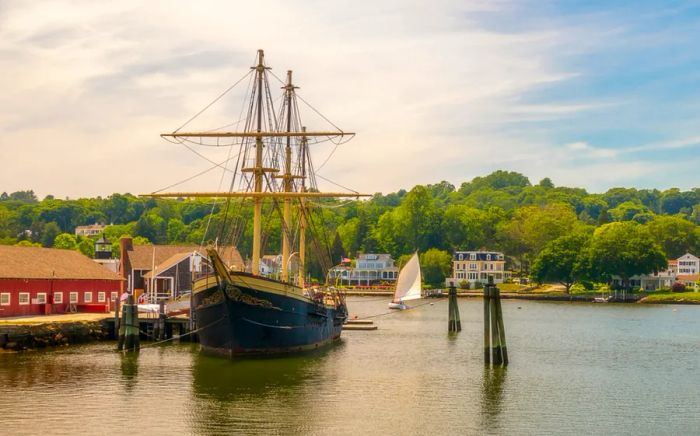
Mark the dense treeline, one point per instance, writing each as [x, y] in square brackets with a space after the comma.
[535, 225]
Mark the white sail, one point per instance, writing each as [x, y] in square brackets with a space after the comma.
[408, 285]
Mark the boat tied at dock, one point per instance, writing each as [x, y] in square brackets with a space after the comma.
[241, 313]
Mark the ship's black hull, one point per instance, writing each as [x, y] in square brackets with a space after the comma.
[243, 320]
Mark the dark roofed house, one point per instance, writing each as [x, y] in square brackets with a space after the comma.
[35, 281]
[165, 271]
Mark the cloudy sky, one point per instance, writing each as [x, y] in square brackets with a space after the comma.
[591, 94]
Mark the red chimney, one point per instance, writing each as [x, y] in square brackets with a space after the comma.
[126, 244]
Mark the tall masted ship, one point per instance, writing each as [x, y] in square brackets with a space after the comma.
[242, 313]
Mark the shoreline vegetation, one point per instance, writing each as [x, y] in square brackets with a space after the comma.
[555, 292]
[550, 233]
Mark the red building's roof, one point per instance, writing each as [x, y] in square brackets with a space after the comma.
[49, 263]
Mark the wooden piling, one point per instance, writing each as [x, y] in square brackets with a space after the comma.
[496, 356]
[454, 324]
[495, 350]
[501, 328]
[487, 325]
[129, 327]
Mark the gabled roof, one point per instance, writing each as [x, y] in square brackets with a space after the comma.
[50, 263]
[480, 255]
[169, 263]
[143, 257]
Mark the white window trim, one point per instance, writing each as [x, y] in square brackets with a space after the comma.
[20, 299]
[58, 300]
[101, 297]
[70, 298]
[9, 298]
[87, 296]
[38, 300]
[113, 296]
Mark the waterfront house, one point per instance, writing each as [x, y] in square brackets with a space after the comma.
[685, 269]
[477, 266]
[369, 269]
[271, 266]
[37, 281]
[688, 264]
[172, 266]
[90, 230]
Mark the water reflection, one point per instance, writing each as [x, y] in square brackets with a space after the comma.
[129, 365]
[492, 396]
[242, 394]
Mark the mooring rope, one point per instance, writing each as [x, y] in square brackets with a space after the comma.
[396, 311]
[179, 336]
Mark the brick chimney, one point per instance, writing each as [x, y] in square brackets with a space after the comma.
[126, 244]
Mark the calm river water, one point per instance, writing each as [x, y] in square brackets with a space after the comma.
[575, 369]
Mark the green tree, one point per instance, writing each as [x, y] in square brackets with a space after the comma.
[26, 243]
[435, 266]
[176, 231]
[49, 233]
[624, 249]
[87, 247]
[627, 210]
[560, 260]
[65, 241]
[675, 235]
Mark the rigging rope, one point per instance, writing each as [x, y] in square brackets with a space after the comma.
[214, 101]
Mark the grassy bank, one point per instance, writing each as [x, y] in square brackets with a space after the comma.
[672, 297]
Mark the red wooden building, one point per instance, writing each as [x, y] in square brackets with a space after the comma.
[36, 281]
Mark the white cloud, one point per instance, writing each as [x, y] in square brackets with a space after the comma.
[86, 87]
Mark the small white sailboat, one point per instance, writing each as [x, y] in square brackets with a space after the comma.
[408, 285]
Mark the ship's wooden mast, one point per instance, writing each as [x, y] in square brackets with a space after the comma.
[287, 183]
[258, 170]
[302, 212]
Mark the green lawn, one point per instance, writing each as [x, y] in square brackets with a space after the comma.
[671, 297]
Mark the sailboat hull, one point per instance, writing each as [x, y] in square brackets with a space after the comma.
[247, 321]
[398, 306]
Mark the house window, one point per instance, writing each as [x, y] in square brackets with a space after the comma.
[100, 297]
[58, 297]
[472, 256]
[113, 296]
[87, 297]
[472, 266]
[488, 257]
[73, 298]
[23, 298]
[5, 299]
[461, 257]
[41, 298]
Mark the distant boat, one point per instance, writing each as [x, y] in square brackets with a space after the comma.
[408, 285]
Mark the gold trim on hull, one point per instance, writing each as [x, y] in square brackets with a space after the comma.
[257, 283]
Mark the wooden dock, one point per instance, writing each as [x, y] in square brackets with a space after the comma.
[359, 324]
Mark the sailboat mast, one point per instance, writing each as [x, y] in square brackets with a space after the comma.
[258, 172]
[302, 213]
[287, 209]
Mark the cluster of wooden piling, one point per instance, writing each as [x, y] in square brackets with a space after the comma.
[129, 326]
[454, 324]
[495, 351]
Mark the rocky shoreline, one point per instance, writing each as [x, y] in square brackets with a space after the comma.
[18, 337]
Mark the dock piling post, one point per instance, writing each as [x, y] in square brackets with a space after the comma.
[454, 324]
[129, 327]
[487, 325]
[501, 328]
[495, 350]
